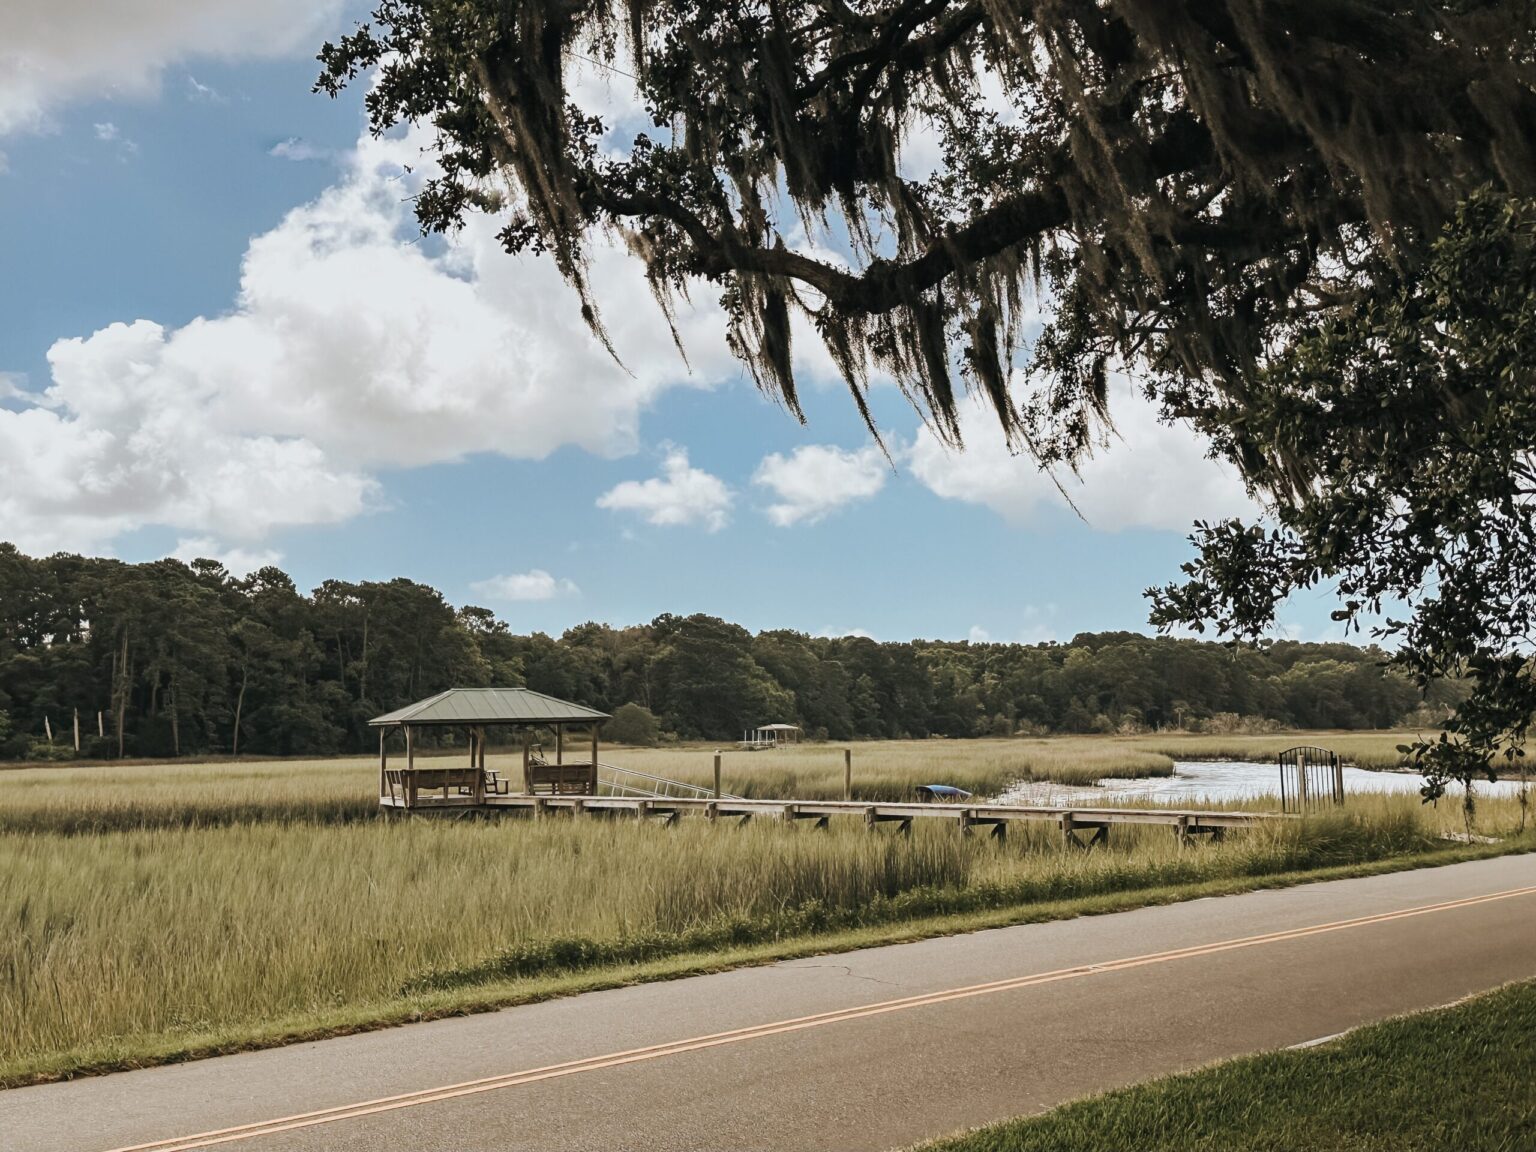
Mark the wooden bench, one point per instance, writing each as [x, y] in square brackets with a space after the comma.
[545, 779]
[411, 782]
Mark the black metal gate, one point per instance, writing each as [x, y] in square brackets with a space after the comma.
[1309, 778]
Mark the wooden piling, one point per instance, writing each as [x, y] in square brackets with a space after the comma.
[847, 773]
[717, 775]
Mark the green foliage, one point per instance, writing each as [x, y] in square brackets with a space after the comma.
[1418, 402]
[182, 659]
[49, 750]
[632, 724]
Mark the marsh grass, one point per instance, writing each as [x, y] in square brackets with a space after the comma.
[126, 941]
[1373, 751]
[103, 798]
[84, 800]
[889, 770]
[150, 910]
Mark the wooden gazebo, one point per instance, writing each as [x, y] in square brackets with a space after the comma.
[476, 710]
[770, 736]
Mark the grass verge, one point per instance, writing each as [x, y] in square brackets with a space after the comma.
[1458, 1079]
[430, 999]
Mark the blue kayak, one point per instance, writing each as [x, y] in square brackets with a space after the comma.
[942, 792]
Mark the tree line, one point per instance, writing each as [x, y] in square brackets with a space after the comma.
[168, 658]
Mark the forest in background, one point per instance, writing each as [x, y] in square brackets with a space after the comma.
[169, 659]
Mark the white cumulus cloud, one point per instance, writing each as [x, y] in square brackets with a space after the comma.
[1149, 476]
[533, 585]
[56, 51]
[352, 348]
[817, 479]
[681, 495]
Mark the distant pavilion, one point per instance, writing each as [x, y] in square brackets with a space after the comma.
[770, 736]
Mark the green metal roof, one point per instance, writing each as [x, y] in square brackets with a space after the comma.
[490, 706]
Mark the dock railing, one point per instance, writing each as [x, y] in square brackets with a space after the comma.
[615, 781]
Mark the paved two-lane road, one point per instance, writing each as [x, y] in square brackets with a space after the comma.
[864, 1050]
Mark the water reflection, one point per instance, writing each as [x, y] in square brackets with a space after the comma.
[1221, 781]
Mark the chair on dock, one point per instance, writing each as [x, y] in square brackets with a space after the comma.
[495, 785]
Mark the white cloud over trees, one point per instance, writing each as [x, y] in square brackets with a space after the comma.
[681, 495]
[536, 584]
[815, 480]
[240, 562]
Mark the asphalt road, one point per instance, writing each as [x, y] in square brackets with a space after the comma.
[865, 1050]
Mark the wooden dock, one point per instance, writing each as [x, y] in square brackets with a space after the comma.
[1074, 823]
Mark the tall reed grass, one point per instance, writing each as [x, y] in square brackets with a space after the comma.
[1373, 751]
[81, 800]
[103, 798]
[889, 770]
[119, 940]
[84, 800]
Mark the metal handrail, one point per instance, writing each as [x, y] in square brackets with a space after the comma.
[611, 777]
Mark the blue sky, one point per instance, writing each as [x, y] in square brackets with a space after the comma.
[220, 335]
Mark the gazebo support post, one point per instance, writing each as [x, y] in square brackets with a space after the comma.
[592, 781]
[527, 759]
[559, 743]
[410, 767]
[383, 764]
[477, 762]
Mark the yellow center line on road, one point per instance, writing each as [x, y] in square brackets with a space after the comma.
[780, 1027]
